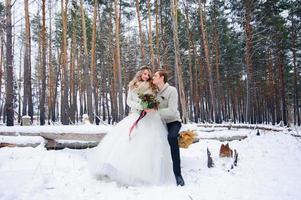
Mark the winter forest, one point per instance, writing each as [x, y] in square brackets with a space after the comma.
[231, 61]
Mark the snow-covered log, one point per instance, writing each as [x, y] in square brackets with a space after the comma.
[244, 126]
[224, 138]
[5, 144]
[98, 136]
[57, 145]
[60, 136]
[53, 145]
[50, 140]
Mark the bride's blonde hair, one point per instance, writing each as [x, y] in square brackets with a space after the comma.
[137, 78]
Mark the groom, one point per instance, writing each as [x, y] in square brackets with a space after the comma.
[168, 109]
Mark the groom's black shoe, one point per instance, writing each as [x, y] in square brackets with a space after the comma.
[180, 181]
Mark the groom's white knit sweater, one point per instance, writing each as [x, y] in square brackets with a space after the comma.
[168, 107]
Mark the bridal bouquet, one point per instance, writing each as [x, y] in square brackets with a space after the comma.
[148, 101]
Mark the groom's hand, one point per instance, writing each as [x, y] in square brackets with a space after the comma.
[149, 110]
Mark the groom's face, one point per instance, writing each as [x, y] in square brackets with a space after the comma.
[157, 78]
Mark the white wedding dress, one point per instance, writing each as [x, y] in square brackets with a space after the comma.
[143, 159]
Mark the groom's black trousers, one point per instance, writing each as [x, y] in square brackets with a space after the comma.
[173, 131]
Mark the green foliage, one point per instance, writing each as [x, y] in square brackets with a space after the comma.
[58, 30]
[73, 15]
[76, 16]
[1, 8]
[273, 23]
[36, 27]
[1, 17]
[149, 101]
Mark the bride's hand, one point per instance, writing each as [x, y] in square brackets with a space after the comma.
[149, 110]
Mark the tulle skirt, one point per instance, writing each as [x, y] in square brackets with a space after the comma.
[143, 159]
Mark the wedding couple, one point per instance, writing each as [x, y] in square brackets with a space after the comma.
[151, 156]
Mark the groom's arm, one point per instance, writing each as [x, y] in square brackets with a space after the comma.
[172, 110]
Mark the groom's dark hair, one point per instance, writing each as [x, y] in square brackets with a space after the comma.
[164, 73]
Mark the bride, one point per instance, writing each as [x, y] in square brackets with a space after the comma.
[140, 156]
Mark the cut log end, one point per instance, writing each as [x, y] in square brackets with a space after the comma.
[4, 144]
[225, 151]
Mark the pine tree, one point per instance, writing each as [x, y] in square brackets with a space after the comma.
[9, 100]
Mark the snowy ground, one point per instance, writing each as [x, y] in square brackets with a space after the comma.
[268, 168]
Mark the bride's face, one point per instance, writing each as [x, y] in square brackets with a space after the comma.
[145, 75]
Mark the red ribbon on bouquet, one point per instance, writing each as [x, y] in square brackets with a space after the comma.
[142, 114]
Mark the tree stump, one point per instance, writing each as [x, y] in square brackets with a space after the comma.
[225, 151]
[235, 158]
[25, 120]
[210, 162]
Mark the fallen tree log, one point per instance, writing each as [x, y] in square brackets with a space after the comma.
[60, 136]
[54, 141]
[5, 144]
[243, 126]
[225, 138]
[58, 145]
[54, 145]
[51, 141]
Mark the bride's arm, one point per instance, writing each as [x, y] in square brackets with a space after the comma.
[132, 102]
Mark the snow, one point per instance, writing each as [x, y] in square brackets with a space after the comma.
[21, 139]
[268, 168]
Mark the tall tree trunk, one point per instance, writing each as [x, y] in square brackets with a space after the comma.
[296, 74]
[216, 47]
[196, 80]
[150, 34]
[112, 78]
[107, 105]
[101, 75]
[9, 101]
[158, 62]
[86, 65]
[38, 64]
[27, 91]
[187, 21]
[248, 59]
[81, 86]
[43, 66]
[103, 93]
[117, 61]
[178, 66]
[56, 77]
[207, 64]
[140, 33]
[282, 83]
[196, 94]
[93, 63]
[270, 88]
[19, 87]
[50, 70]
[164, 39]
[1, 70]
[277, 97]
[64, 78]
[73, 57]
